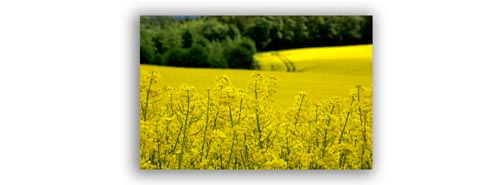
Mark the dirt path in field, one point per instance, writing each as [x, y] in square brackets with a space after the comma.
[288, 63]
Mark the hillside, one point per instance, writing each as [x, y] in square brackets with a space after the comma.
[321, 72]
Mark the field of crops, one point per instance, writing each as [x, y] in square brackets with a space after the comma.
[343, 60]
[316, 116]
[323, 72]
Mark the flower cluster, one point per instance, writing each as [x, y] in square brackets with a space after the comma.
[225, 127]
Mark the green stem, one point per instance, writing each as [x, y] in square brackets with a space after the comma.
[147, 99]
[246, 151]
[342, 159]
[346, 120]
[239, 114]
[324, 143]
[299, 109]
[206, 124]
[231, 151]
[257, 117]
[158, 146]
[230, 112]
[344, 125]
[184, 137]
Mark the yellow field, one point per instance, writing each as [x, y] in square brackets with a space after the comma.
[345, 60]
[226, 127]
[247, 119]
[321, 72]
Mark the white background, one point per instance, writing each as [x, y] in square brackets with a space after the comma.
[69, 92]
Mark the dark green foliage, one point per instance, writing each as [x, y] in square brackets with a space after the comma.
[147, 49]
[215, 31]
[158, 59]
[259, 31]
[215, 55]
[155, 42]
[218, 62]
[202, 41]
[145, 56]
[187, 39]
[156, 21]
[248, 44]
[367, 27]
[233, 32]
[239, 58]
[197, 56]
[177, 57]
[238, 53]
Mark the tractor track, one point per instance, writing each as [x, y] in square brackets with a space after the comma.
[288, 63]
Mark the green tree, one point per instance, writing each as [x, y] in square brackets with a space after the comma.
[214, 30]
[367, 29]
[147, 49]
[177, 57]
[259, 31]
[197, 56]
[149, 22]
[187, 39]
[233, 32]
[238, 53]
[216, 55]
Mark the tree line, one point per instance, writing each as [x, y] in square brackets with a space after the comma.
[231, 41]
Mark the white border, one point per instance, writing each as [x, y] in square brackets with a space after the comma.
[69, 95]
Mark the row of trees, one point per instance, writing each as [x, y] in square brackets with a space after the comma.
[231, 41]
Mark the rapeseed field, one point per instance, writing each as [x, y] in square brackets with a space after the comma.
[225, 127]
[314, 112]
[329, 72]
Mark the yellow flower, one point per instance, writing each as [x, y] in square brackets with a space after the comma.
[229, 128]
